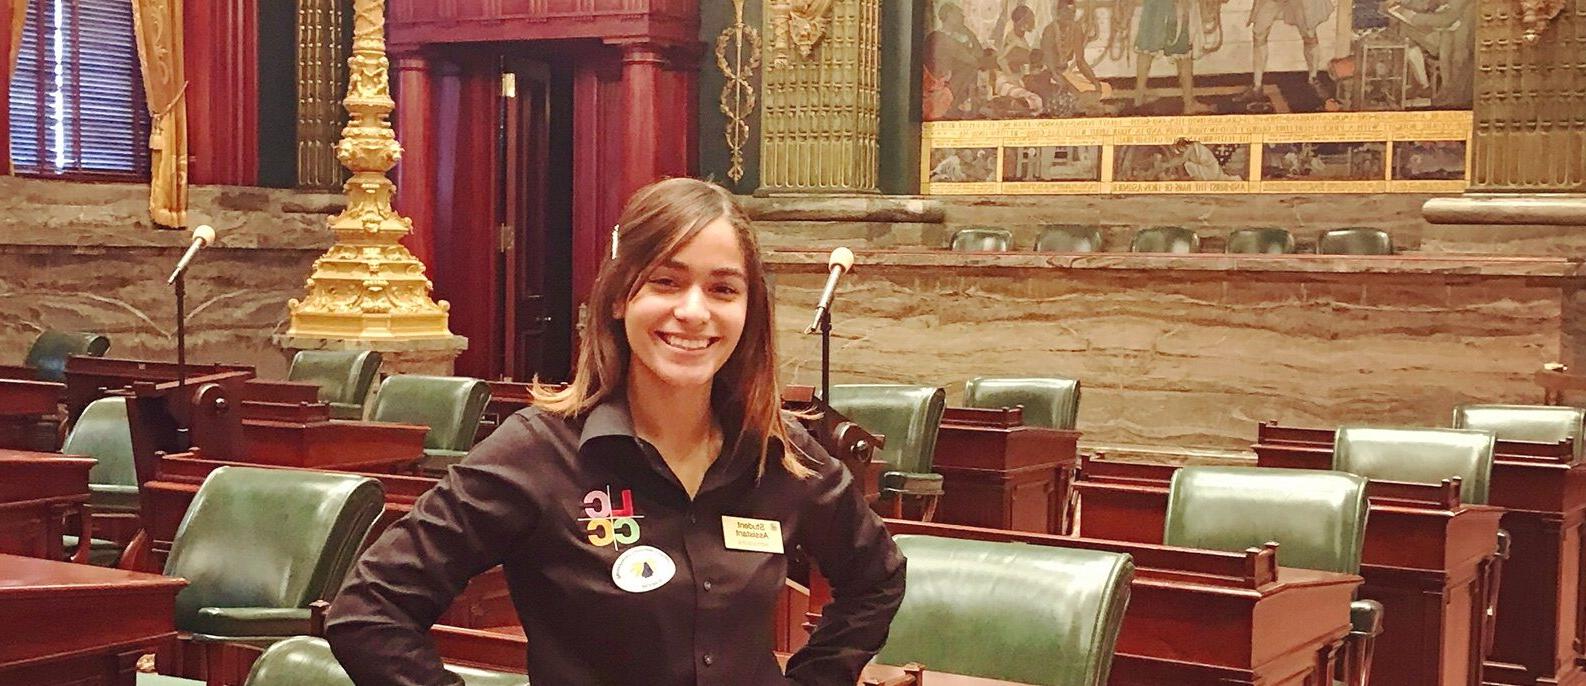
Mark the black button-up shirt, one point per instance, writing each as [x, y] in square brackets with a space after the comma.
[557, 502]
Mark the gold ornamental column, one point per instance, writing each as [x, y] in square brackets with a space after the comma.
[1528, 146]
[368, 292]
[821, 102]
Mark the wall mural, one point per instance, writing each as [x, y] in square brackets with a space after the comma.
[1197, 95]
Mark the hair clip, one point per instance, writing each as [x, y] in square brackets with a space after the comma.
[615, 234]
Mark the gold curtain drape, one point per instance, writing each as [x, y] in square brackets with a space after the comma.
[158, 26]
[17, 17]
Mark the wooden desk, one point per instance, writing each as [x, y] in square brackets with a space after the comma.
[1541, 634]
[1000, 473]
[37, 491]
[303, 435]
[78, 625]
[30, 417]
[1209, 618]
[1425, 560]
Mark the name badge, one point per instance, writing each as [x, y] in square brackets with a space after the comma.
[754, 535]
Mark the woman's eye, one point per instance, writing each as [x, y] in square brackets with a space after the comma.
[727, 290]
[663, 282]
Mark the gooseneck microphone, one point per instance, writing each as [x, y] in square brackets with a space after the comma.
[202, 236]
[839, 263]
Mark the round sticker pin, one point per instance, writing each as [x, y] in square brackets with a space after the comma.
[642, 569]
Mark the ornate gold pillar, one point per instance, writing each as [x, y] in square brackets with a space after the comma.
[321, 78]
[368, 291]
[1527, 164]
[821, 111]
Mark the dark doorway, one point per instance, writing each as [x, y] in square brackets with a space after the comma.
[534, 191]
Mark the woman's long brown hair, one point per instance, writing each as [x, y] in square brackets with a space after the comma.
[659, 220]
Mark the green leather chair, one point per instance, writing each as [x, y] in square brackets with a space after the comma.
[343, 376]
[451, 406]
[257, 546]
[1069, 239]
[1317, 518]
[1052, 402]
[308, 661]
[909, 417]
[1355, 241]
[47, 356]
[102, 432]
[981, 239]
[1032, 614]
[1266, 241]
[1430, 456]
[1418, 455]
[1165, 239]
[1532, 423]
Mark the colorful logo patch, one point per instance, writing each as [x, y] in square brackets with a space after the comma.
[608, 525]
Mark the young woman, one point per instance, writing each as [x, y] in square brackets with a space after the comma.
[644, 514]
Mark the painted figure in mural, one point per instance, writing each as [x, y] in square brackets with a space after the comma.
[1444, 31]
[954, 60]
[1062, 53]
[1304, 15]
[1168, 29]
[1015, 39]
[1198, 162]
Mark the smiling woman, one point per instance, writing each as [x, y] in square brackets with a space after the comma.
[642, 514]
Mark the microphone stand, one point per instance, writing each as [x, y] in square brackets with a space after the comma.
[825, 327]
[181, 331]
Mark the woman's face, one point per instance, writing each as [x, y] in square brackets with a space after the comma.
[685, 319]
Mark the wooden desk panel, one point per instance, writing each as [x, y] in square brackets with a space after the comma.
[30, 416]
[37, 491]
[78, 625]
[1424, 564]
[1540, 638]
[1000, 473]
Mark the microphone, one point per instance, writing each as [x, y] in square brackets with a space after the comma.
[840, 262]
[202, 236]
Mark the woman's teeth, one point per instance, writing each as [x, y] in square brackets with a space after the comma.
[685, 343]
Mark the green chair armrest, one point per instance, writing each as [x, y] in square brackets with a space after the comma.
[346, 411]
[113, 497]
[1365, 617]
[912, 483]
[234, 623]
[437, 460]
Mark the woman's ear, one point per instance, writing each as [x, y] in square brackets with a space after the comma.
[618, 310]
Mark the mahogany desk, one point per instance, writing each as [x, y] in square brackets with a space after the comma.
[1001, 473]
[1202, 617]
[37, 491]
[1425, 559]
[1541, 633]
[302, 434]
[79, 625]
[30, 413]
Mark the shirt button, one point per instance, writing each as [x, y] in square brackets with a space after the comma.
[690, 518]
[709, 660]
[707, 584]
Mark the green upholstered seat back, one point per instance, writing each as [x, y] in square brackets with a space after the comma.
[1532, 423]
[909, 417]
[1069, 239]
[343, 376]
[1052, 402]
[1317, 518]
[981, 238]
[1355, 241]
[1173, 239]
[451, 406]
[1261, 241]
[47, 356]
[270, 538]
[1012, 611]
[102, 432]
[308, 661]
[1418, 456]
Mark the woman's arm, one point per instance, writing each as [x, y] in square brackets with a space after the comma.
[854, 552]
[378, 626]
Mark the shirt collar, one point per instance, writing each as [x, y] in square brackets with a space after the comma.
[609, 418]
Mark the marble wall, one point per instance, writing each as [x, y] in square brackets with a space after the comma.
[84, 256]
[1186, 359]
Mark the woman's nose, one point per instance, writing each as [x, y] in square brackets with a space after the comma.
[691, 307]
